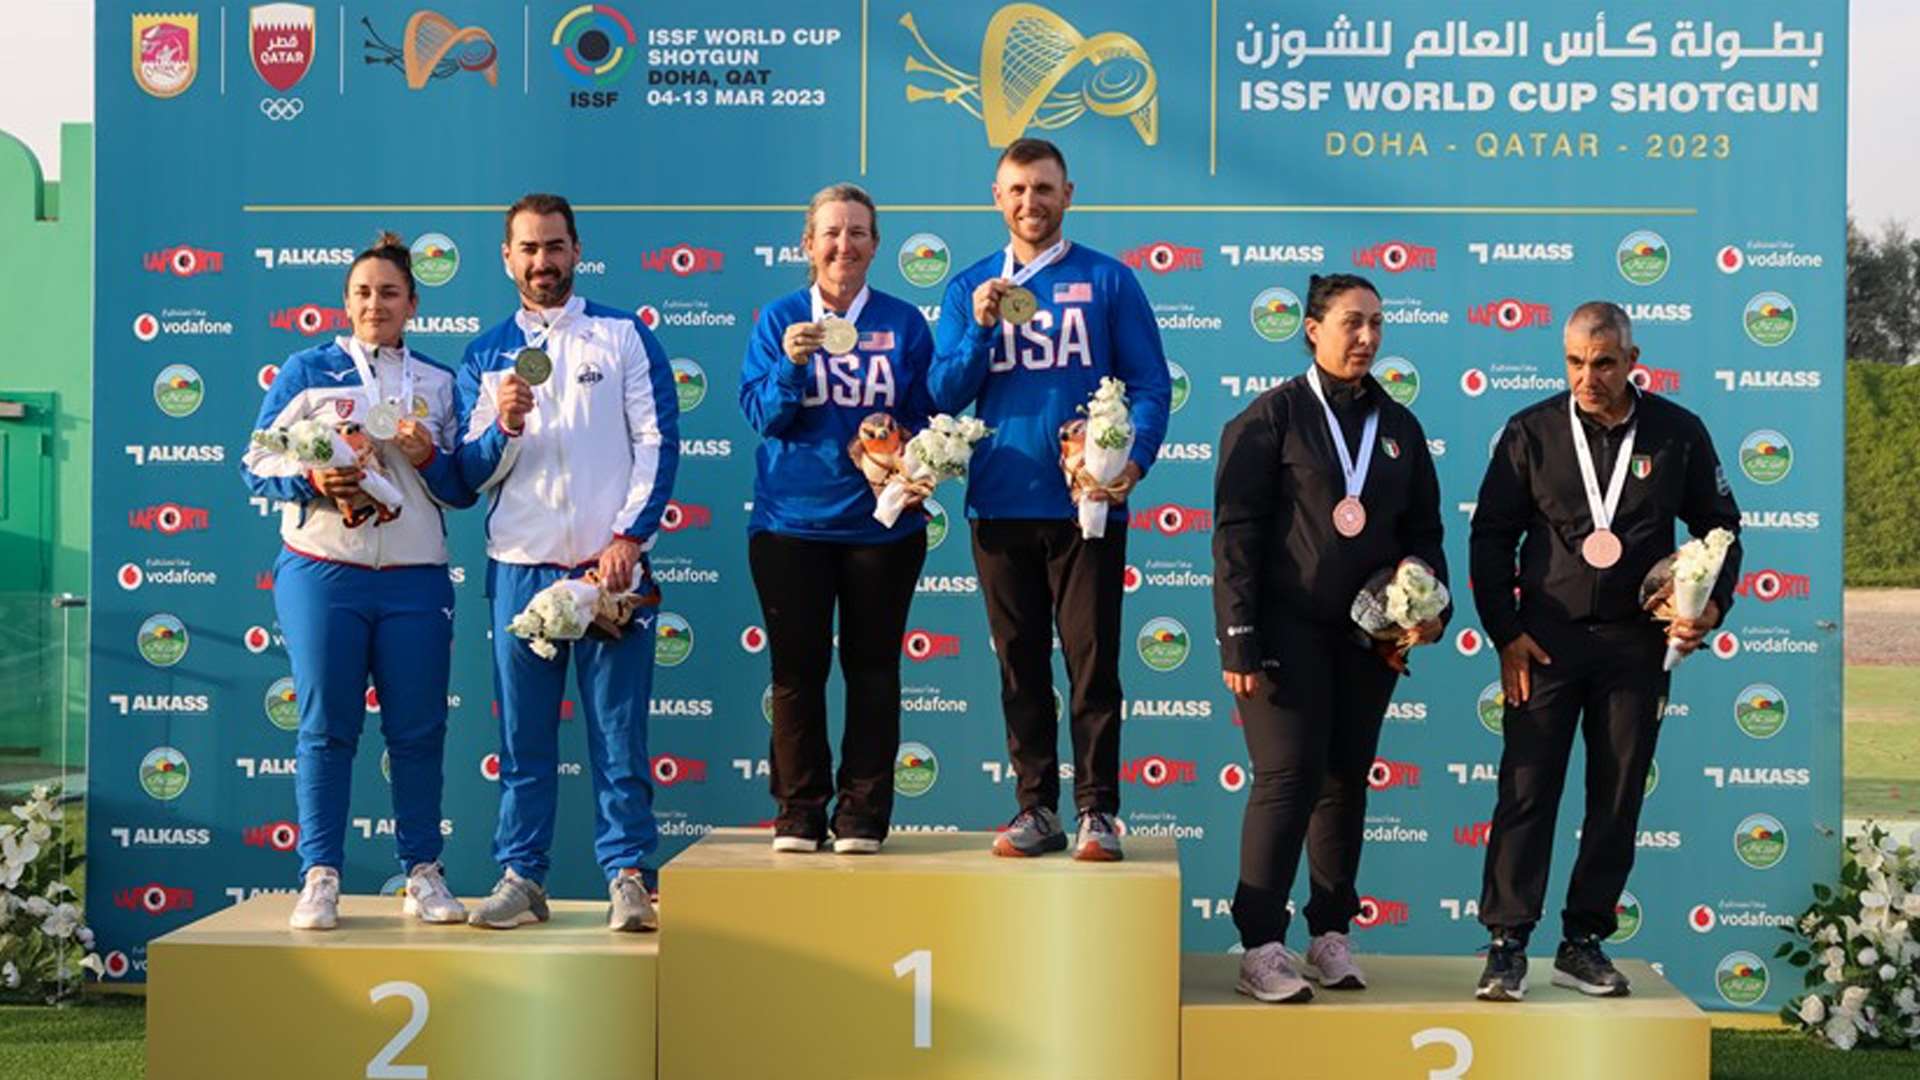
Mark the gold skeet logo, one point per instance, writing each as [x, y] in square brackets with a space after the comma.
[1027, 54]
[435, 47]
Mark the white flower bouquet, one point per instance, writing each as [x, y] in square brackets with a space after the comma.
[44, 940]
[941, 451]
[1857, 944]
[1093, 453]
[1392, 605]
[570, 608]
[1679, 586]
[316, 444]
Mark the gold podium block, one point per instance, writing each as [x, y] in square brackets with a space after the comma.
[389, 998]
[1419, 1018]
[934, 959]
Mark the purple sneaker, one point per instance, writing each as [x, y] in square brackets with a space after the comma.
[1330, 963]
[1267, 974]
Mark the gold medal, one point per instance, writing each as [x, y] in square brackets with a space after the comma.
[1018, 305]
[838, 336]
[533, 365]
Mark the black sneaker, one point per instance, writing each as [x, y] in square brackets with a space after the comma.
[1580, 965]
[1505, 976]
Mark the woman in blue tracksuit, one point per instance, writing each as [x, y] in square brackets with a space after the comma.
[362, 590]
[813, 539]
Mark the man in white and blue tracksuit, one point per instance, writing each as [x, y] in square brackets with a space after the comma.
[578, 470]
[1090, 319]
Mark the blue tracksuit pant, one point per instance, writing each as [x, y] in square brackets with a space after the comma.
[615, 680]
[343, 623]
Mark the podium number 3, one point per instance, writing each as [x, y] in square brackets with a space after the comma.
[920, 962]
[1453, 1039]
[382, 1066]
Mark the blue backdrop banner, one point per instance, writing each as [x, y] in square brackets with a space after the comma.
[1487, 173]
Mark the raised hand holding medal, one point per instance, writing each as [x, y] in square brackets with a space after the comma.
[533, 365]
[839, 334]
[1018, 304]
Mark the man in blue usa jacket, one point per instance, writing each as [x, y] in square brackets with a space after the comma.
[1025, 336]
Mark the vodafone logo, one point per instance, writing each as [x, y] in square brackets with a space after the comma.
[649, 316]
[265, 376]
[1469, 642]
[1725, 645]
[257, 639]
[753, 639]
[1473, 382]
[490, 767]
[1701, 919]
[373, 701]
[145, 326]
[1132, 579]
[130, 577]
[671, 769]
[1729, 260]
[1233, 777]
[117, 965]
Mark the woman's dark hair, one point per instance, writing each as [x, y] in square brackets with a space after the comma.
[389, 247]
[1322, 289]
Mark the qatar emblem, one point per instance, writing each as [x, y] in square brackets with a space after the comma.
[281, 43]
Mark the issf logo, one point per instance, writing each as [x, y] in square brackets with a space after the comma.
[594, 45]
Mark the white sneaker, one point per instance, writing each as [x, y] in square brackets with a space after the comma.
[855, 845]
[319, 905]
[784, 842]
[429, 898]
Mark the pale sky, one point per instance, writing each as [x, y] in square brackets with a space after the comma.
[46, 79]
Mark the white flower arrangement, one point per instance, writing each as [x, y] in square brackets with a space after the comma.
[940, 451]
[44, 940]
[560, 612]
[316, 444]
[1696, 567]
[1856, 942]
[1094, 454]
[1394, 602]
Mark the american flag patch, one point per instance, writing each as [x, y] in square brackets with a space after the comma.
[877, 341]
[1078, 292]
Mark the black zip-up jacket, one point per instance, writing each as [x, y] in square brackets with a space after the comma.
[1276, 556]
[1533, 498]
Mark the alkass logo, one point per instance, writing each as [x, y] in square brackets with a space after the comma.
[275, 836]
[1396, 256]
[304, 257]
[1767, 586]
[1164, 258]
[683, 260]
[311, 319]
[1157, 772]
[168, 519]
[1375, 912]
[1392, 774]
[1173, 519]
[1655, 380]
[671, 769]
[154, 899]
[1510, 314]
[183, 260]
[679, 515]
[1474, 835]
[923, 645]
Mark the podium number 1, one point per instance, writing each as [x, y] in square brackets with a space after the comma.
[1453, 1039]
[382, 1066]
[920, 962]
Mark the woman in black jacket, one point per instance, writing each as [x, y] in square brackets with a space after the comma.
[1300, 523]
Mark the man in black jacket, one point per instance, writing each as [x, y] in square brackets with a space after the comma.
[1587, 484]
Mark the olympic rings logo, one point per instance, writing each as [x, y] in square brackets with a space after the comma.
[282, 108]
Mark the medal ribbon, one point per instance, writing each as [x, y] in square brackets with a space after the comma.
[363, 356]
[1040, 262]
[820, 309]
[1356, 475]
[1602, 510]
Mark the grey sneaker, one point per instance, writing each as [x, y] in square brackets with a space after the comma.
[515, 902]
[632, 908]
[1330, 963]
[1267, 974]
[319, 905]
[1098, 839]
[1031, 832]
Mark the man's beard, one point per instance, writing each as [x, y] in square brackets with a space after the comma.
[549, 291]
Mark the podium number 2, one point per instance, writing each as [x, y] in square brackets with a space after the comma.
[1453, 1039]
[920, 962]
[382, 1066]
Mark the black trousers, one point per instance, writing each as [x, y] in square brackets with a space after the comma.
[1312, 732]
[1605, 682]
[1036, 574]
[799, 582]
